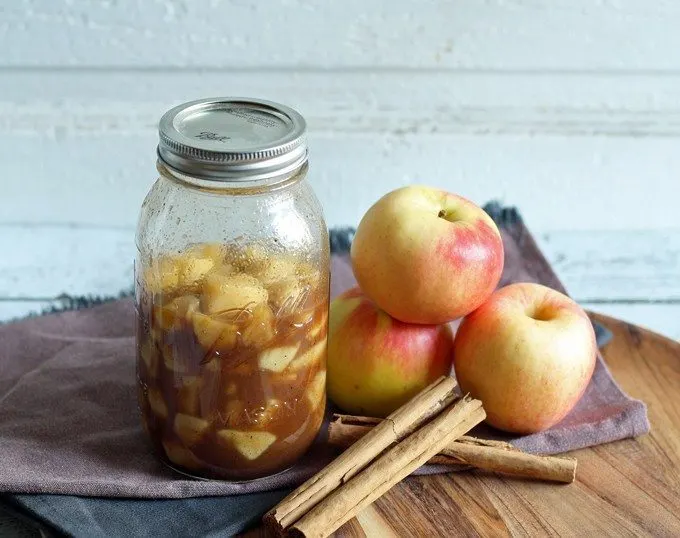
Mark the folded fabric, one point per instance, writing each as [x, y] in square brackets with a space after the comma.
[98, 517]
[69, 423]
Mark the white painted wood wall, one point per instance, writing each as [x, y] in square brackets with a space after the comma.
[569, 109]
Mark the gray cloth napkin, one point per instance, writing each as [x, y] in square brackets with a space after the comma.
[69, 422]
[100, 517]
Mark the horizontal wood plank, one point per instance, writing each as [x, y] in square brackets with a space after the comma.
[624, 267]
[560, 183]
[634, 276]
[60, 102]
[562, 146]
[495, 34]
[48, 261]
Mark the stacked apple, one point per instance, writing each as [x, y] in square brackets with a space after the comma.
[424, 258]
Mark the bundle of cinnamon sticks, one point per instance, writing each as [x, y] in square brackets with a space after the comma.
[429, 428]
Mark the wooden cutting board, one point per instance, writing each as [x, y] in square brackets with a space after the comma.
[626, 488]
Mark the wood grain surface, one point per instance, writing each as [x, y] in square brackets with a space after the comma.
[626, 488]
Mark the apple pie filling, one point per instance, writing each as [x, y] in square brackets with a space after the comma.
[231, 359]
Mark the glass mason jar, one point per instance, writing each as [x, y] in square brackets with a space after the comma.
[232, 289]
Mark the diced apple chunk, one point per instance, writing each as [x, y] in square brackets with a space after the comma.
[157, 403]
[181, 455]
[174, 361]
[185, 306]
[250, 444]
[175, 364]
[260, 329]
[313, 355]
[223, 271]
[169, 316]
[189, 396]
[308, 271]
[213, 333]
[276, 270]
[212, 368]
[287, 378]
[190, 429]
[309, 275]
[149, 356]
[163, 275]
[194, 265]
[287, 290]
[167, 273]
[251, 258]
[288, 295]
[316, 390]
[222, 293]
[277, 359]
[213, 251]
[194, 269]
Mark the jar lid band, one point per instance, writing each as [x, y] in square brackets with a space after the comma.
[232, 139]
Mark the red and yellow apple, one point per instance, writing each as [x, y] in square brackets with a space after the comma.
[377, 363]
[427, 256]
[528, 354]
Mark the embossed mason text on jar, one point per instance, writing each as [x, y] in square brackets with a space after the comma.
[231, 289]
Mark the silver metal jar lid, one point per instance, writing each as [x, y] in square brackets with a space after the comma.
[232, 139]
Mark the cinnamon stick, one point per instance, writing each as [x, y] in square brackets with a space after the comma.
[402, 422]
[465, 452]
[392, 467]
